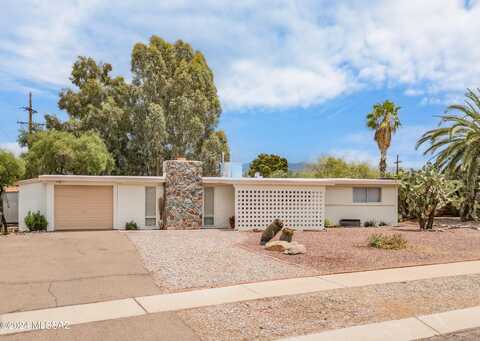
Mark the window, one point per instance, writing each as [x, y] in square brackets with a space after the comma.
[367, 194]
[208, 204]
[150, 206]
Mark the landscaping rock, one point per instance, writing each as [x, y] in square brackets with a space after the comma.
[287, 234]
[295, 249]
[287, 248]
[277, 245]
[271, 231]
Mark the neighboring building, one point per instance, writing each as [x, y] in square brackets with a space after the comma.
[10, 204]
[183, 199]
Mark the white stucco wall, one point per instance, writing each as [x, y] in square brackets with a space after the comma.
[131, 205]
[224, 205]
[32, 197]
[339, 205]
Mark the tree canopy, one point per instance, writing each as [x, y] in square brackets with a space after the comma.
[56, 152]
[335, 167]
[170, 109]
[384, 120]
[456, 148]
[268, 164]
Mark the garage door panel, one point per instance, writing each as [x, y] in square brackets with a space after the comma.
[83, 207]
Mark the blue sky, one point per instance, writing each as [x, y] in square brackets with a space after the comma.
[295, 78]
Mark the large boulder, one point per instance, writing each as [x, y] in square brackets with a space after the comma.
[271, 231]
[287, 248]
[277, 245]
[295, 249]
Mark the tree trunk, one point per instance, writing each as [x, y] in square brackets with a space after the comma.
[421, 222]
[382, 166]
[3, 223]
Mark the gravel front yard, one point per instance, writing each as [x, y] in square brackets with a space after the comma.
[344, 249]
[311, 313]
[182, 260]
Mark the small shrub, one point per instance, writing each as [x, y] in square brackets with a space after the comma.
[328, 223]
[36, 221]
[382, 223]
[131, 225]
[370, 223]
[231, 221]
[381, 241]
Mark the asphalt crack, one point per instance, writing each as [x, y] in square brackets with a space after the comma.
[52, 294]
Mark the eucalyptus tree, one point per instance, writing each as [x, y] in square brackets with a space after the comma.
[178, 79]
[456, 148]
[170, 109]
[384, 120]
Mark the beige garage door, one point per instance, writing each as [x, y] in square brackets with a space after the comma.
[83, 207]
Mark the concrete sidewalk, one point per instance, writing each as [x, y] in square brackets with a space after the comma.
[413, 328]
[77, 314]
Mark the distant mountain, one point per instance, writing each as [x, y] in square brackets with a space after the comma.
[294, 167]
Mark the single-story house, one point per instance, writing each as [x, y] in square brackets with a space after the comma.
[183, 199]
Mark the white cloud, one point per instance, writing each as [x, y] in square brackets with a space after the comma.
[12, 147]
[254, 84]
[264, 54]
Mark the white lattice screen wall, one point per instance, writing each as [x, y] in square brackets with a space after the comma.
[297, 207]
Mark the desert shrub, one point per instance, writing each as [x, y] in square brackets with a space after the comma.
[131, 225]
[328, 223]
[370, 223]
[231, 221]
[382, 241]
[36, 221]
[382, 223]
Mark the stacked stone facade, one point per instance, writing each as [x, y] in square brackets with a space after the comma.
[183, 194]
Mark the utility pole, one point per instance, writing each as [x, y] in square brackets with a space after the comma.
[397, 163]
[30, 111]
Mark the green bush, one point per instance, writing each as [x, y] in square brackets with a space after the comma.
[36, 221]
[328, 223]
[131, 225]
[393, 242]
[370, 223]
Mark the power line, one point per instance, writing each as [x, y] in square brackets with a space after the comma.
[31, 112]
[397, 164]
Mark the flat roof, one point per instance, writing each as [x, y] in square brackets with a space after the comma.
[211, 180]
[95, 179]
[298, 181]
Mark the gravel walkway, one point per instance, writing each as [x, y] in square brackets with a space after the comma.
[181, 260]
[312, 313]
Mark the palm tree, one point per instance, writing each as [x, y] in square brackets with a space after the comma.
[384, 121]
[456, 148]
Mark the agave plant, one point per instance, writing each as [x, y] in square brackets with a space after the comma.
[456, 148]
[384, 121]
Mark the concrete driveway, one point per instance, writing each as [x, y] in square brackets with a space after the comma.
[41, 270]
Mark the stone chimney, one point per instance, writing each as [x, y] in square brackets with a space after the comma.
[183, 194]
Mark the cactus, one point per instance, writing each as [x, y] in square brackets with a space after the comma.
[424, 191]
